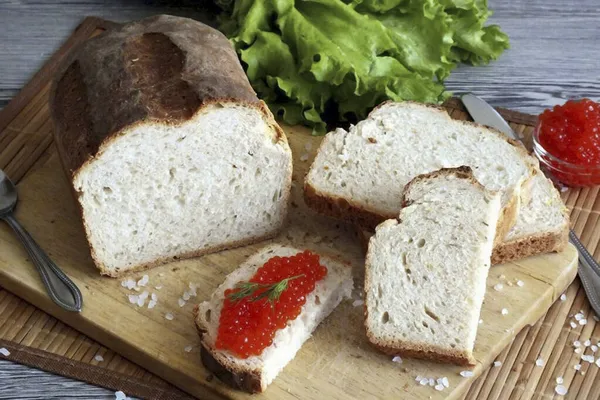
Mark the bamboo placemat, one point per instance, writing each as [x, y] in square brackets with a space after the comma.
[37, 339]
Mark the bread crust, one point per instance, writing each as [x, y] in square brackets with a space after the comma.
[358, 214]
[152, 71]
[530, 245]
[409, 349]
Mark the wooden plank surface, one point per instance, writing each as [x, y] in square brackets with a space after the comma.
[535, 23]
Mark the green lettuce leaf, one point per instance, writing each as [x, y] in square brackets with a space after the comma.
[314, 61]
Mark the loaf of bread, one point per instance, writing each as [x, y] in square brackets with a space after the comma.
[255, 373]
[359, 175]
[168, 149]
[426, 270]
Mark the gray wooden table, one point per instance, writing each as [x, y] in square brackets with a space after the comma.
[555, 55]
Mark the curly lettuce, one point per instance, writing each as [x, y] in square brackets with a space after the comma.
[319, 61]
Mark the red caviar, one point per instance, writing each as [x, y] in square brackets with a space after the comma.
[571, 132]
[248, 325]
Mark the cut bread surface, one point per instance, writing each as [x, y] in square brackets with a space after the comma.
[442, 236]
[362, 172]
[255, 373]
[160, 191]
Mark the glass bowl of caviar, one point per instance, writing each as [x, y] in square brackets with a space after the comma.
[566, 140]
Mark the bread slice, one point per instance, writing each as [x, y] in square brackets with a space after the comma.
[168, 149]
[426, 270]
[255, 373]
[542, 225]
[358, 175]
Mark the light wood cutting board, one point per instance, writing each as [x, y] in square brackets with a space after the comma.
[337, 363]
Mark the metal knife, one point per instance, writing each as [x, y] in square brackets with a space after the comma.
[589, 269]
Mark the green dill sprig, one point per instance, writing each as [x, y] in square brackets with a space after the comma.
[272, 293]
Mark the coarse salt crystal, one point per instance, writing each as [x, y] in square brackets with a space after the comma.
[187, 349]
[597, 362]
[587, 343]
[144, 295]
[140, 301]
[466, 374]
[4, 351]
[588, 358]
[573, 325]
[577, 367]
[439, 387]
[133, 298]
[577, 350]
[143, 281]
[498, 287]
[583, 321]
[358, 303]
[98, 358]
[497, 364]
[577, 343]
[186, 296]
[539, 362]
[520, 283]
[431, 381]
[397, 359]
[504, 311]
[559, 380]
[418, 378]
[154, 296]
[594, 348]
[152, 304]
[423, 381]
[563, 297]
[560, 390]
[124, 283]
[445, 381]
[120, 395]
[308, 146]
[130, 284]
[579, 316]
[169, 316]
[304, 157]
[181, 302]
[158, 287]
[193, 287]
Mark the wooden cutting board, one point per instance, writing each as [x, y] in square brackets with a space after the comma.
[337, 363]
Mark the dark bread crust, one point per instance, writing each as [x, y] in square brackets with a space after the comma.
[530, 246]
[418, 350]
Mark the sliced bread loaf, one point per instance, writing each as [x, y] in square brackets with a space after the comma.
[255, 373]
[426, 271]
[359, 175]
[168, 149]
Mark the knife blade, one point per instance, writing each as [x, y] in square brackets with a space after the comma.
[589, 269]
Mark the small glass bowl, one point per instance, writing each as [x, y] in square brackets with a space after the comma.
[564, 172]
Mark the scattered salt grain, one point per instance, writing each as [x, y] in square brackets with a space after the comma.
[559, 380]
[154, 297]
[563, 297]
[587, 343]
[498, 287]
[439, 387]
[577, 367]
[497, 364]
[98, 358]
[577, 343]
[431, 381]
[520, 283]
[583, 321]
[143, 281]
[579, 316]
[358, 303]
[308, 146]
[594, 348]
[124, 283]
[186, 296]
[397, 359]
[597, 362]
[4, 351]
[466, 374]
[418, 378]
[133, 298]
[573, 325]
[304, 157]
[445, 382]
[144, 295]
[588, 358]
[577, 350]
[480, 321]
[129, 284]
[140, 301]
[423, 381]
[169, 316]
[152, 304]
[539, 362]
[181, 302]
[158, 287]
[120, 395]
[504, 311]
[560, 390]
[193, 287]
[187, 349]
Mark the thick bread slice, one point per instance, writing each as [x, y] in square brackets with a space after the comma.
[255, 373]
[542, 225]
[168, 149]
[426, 271]
[358, 175]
